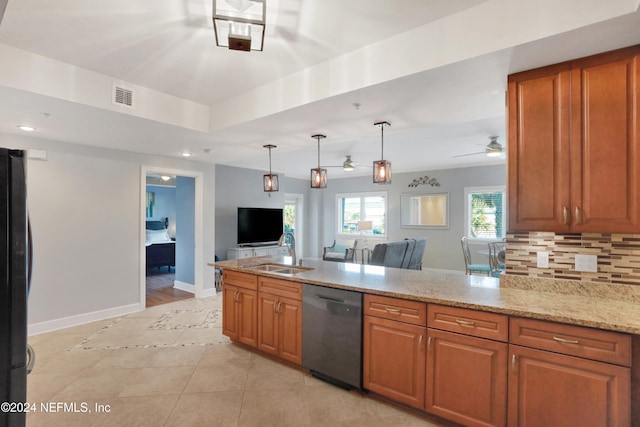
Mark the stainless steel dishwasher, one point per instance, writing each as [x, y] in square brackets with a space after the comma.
[332, 334]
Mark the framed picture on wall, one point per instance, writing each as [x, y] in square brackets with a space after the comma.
[151, 201]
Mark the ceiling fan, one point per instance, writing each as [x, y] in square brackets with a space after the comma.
[348, 165]
[493, 149]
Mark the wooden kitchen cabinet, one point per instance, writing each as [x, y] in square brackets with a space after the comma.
[574, 383]
[239, 308]
[280, 319]
[573, 145]
[466, 376]
[394, 351]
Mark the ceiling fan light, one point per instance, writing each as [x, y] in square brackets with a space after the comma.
[348, 165]
[493, 152]
[494, 149]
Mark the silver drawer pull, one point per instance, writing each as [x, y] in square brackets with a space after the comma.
[392, 310]
[465, 322]
[565, 341]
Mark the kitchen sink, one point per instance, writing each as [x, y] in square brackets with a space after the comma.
[280, 268]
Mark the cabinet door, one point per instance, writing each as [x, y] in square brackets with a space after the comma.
[267, 323]
[549, 389]
[467, 379]
[247, 312]
[230, 325]
[538, 149]
[290, 330]
[394, 360]
[605, 149]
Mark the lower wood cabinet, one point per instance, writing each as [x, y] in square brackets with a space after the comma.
[394, 348]
[240, 314]
[395, 360]
[549, 389]
[280, 327]
[466, 378]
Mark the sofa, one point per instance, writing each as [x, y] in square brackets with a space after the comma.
[405, 253]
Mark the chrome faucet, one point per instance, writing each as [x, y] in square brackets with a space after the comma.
[290, 247]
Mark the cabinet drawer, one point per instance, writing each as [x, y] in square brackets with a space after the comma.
[605, 346]
[279, 287]
[243, 280]
[469, 322]
[396, 309]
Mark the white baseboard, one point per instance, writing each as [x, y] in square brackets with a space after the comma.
[187, 287]
[207, 293]
[80, 319]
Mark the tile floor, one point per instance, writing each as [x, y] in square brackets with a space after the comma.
[171, 366]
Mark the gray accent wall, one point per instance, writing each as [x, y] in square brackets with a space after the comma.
[243, 187]
[239, 187]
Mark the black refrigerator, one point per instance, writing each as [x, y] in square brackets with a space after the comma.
[15, 275]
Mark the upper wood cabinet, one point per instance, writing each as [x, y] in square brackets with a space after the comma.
[573, 148]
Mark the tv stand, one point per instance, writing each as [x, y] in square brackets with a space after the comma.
[254, 251]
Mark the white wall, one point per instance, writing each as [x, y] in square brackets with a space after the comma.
[84, 205]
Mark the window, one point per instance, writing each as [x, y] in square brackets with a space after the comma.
[362, 214]
[485, 212]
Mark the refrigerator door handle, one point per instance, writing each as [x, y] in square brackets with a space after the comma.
[29, 255]
[31, 358]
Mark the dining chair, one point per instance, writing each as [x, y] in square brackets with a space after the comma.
[496, 258]
[469, 267]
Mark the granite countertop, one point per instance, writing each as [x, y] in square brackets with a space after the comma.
[603, 306]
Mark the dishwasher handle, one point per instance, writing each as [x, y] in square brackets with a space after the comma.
[330, 299]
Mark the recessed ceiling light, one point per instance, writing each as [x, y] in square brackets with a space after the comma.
[185, 154]
[26, 128]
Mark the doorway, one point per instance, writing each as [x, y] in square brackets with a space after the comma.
[293, 219]
[171, 264]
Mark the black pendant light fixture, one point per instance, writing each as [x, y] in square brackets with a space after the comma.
[270, 180]
[382, 168]
[318, 175]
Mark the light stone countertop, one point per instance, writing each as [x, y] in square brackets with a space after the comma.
[602, 306]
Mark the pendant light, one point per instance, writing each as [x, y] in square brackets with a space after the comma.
[270, 181]
[382, 168]
[318, 175]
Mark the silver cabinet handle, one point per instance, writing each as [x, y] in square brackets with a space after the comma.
[429, 344]
[513, 361]
[392, 310]
[565, 215]
[275, 306]
[577, 215]
[465, 322]
[565, 341]
[420, 343]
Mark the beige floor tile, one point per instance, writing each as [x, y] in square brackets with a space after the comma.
[200, 336]
[69, 361]
[97, 383]
[268, 374]
[275, 407]
[134, 339]
[138, 411]
[62, 418]
[217, 409]
[221, 377]
[177, 356]
[52, 344]
[43, 387]
[126, 357]
[345, 405]
[158, 381]
[227, 352]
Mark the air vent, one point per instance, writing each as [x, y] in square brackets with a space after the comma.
[122, 96]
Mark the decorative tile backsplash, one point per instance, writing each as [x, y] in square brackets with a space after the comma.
[618, 256]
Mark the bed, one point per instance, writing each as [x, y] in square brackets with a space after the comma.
[161, 250]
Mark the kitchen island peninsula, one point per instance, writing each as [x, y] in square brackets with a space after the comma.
[475, 350]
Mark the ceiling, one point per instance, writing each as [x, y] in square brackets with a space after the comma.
[445, 108]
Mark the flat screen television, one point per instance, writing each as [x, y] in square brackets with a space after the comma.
[259, 225]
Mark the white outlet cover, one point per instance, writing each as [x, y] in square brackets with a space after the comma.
[543, 259]
[588, 263]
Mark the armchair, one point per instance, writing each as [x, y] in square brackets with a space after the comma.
[339, 252]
